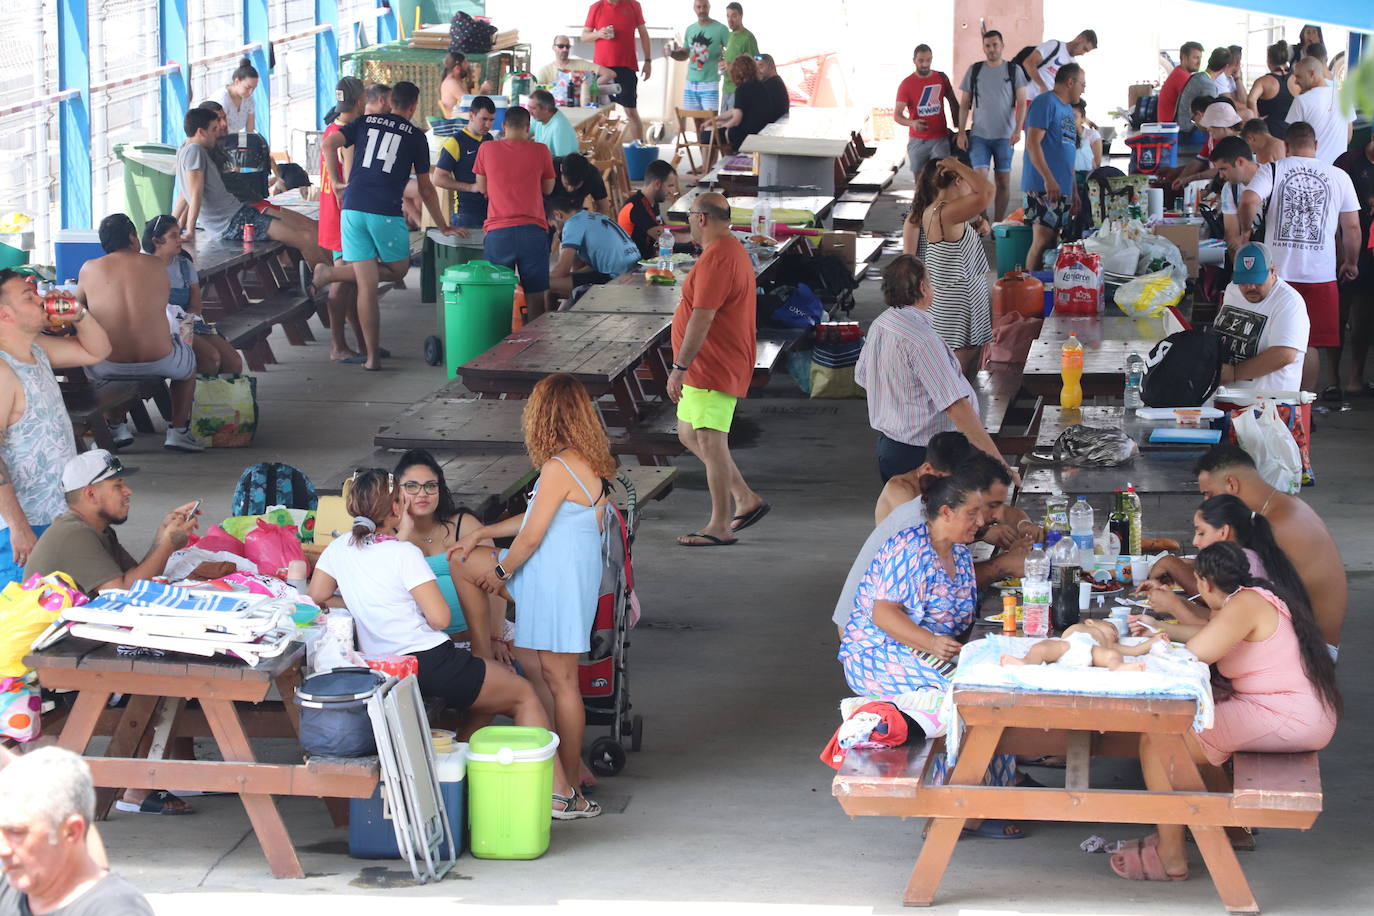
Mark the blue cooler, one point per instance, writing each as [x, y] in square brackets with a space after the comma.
[1153, 149]
[502, 102]
[73, 248]
[370, 831]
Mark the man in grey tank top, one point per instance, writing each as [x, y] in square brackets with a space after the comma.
[35, 434]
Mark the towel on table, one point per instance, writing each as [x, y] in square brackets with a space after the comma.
[1170, 671]
[144, 593]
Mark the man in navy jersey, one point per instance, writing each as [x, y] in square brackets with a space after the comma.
[387, 147]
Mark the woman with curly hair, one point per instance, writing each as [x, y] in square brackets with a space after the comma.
[552, 570]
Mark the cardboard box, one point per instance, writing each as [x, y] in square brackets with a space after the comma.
[1187, 238]
[1137, 91]
[842, 244]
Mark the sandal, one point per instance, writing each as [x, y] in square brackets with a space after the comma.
[571, 809]
[995, 829]
[159, 802]
[1141, 862]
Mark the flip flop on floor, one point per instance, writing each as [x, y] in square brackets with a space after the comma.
[740, 522]
[1141, 862]
[357, 359]
[714, 541]
[995, 829]
[158, 802]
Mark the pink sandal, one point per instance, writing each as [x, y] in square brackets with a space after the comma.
[1139, 860]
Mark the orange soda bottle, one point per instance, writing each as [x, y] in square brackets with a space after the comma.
[1071, 371]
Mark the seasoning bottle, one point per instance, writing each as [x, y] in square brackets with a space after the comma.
[1008, 615]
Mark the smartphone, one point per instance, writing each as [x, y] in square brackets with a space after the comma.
[194, 510]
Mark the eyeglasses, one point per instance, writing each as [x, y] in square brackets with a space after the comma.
[414, 486]
[562, 47]
[113, 468]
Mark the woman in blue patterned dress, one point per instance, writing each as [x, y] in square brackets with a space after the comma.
[918, 595]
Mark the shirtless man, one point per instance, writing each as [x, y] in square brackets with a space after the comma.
[35, 436]
[127, 292]
[1297, 529]
[1266, 147]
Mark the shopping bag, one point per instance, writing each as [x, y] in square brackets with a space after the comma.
[21, 709]
[239, 526]
[1268, 439]
[1297, 420]
[827, 382]
[225, 411]
[27, 609]
[273, 548]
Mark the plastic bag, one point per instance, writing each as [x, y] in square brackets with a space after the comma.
[1269, 441]
[1116, 243]
[1094, 447]
[273, 548]
[1158, 254]
[224, 413]
[217, 540]
[27, 609]
[21, 710]
[1150, 295]
[240, 525]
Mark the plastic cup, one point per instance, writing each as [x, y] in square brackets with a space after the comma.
[1140, 569]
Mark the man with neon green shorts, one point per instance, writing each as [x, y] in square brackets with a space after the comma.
[713, 362]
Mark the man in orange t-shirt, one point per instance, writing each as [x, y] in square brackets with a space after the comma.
[713, 363]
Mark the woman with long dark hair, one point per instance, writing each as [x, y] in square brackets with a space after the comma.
[1272, 94]
[1284, 698]
[237, 98]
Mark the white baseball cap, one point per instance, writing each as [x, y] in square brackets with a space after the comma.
[1219, 114]
[91, 468]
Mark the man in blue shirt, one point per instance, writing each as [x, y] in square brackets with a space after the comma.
[1047, 170]
[550, 126]
[387, 148]
[453, 171]
[592, 247]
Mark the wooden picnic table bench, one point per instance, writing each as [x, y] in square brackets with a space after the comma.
[158, 690]
[484, 483]
[90, 404]
[1268, 790]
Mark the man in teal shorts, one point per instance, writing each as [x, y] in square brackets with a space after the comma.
[387, 147]
[713, 363]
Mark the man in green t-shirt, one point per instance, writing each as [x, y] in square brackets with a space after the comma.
[741, 41]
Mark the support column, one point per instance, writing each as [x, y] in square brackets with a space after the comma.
[326, 58]
[256, 29]
[173, 45]
[74, 123]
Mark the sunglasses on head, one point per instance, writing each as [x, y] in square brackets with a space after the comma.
[113, 468]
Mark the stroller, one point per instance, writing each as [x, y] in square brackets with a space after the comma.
[602, 670]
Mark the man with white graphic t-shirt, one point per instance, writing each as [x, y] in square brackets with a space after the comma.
[1319, 106]
[1262, 324]
[1044, 62]
[1307, 202]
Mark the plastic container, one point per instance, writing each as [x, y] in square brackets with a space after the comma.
[1020, 293]
[371, 834]
[438, 257]
[510, 785]
[637, 159]
[1153, 149]
[150, 174]
[74, 247]
[1013, 242]
[477, 299]
[333, 718]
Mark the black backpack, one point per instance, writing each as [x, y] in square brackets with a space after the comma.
[471, 36]
[973, 80]
[1146, 111]
[1183, 369]
[1024, 54]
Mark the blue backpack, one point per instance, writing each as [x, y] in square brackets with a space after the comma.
[272, 484]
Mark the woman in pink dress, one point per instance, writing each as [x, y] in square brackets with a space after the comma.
[1285, 696]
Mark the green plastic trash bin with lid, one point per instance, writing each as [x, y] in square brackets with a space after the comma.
[475, 311]
[150, 174]
[510, 791]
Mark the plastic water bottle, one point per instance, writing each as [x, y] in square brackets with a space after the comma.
[1037, 564]
[1081, 528]
[665, 248]
[1036, 593]
[762, 219]
[1135, 378]
[1056, 518]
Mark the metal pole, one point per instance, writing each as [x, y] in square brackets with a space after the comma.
[174, 46]
[74, 73]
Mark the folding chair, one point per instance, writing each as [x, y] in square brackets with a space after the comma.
[686, 121]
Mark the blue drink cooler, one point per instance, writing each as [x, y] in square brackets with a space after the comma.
[637, 159]
[370, 831]
[501, 102]
[74, 247]
[1153, 149]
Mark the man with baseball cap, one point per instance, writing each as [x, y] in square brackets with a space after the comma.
[1219, 120]
[82, 542]
[1263, 325]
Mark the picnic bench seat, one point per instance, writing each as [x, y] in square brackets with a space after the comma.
[653, 440]
[248, 328]
[768, 352]
[89, 404]
[851, 209]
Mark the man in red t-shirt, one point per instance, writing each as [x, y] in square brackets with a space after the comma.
[515, 173]
[350, 94]
[921, 100]
[713, 363]
[612, 25]
[1190, 58]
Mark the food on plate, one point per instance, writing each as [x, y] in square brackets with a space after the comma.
[1009, 582]
[763, 240]
[1155, 545]
[660, 275]
[1100, 585]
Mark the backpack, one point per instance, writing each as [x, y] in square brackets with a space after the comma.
[973, 82]
[1183, 369]
[470, 36]
[1146, 111]
[1024, 54]
[800, 307]
[272, 484]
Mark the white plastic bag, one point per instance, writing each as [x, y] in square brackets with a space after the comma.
[1269, 441]
[1158, 254]
[1113, 243]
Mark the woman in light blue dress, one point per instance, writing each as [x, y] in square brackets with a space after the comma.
[553, 569]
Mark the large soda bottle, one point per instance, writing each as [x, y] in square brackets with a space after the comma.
[1071, 371]
[1064, 609]
[1056, 518]
[1119, 522]
[1081, 527]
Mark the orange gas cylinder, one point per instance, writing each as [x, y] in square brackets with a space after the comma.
[1018, 291]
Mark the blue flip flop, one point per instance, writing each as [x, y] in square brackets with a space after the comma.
[995, 829]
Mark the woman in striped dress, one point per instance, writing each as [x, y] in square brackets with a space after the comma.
[950, 196]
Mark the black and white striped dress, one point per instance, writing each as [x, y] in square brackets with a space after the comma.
[962, 308]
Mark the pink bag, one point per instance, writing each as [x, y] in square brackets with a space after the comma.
[216, 539]
[273, 548]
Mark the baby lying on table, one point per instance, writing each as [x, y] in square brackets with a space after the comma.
[1090, 644]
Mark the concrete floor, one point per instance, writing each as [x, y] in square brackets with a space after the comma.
[734, 670]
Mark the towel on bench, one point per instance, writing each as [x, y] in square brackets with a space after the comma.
[144, 593]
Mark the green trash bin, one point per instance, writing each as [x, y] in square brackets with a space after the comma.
[1013, 244]
[510, 791]
[475, 310]
[439, 252]
[150, 174]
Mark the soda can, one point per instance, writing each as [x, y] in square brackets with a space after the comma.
[250, 235]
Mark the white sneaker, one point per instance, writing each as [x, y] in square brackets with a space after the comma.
[122, 434]
[182, 440]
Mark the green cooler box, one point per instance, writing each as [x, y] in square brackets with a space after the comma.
[150, 173]
[1013, 242]
[510, 791]
[474, 313]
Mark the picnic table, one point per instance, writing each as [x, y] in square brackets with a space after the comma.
[483, 482]
[1269, 790]
[815, 206]
[158, 690]
[1104, 366]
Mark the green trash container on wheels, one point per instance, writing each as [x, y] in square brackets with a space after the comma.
[474, 311]
[150, 175]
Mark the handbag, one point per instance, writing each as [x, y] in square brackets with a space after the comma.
[225, 411]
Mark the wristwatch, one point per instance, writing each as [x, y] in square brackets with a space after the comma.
[679, 367]
[501, 573]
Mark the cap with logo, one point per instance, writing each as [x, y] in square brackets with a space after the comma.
[90, 468]
[1252, 264]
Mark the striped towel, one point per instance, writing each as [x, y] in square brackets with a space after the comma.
[145, 593]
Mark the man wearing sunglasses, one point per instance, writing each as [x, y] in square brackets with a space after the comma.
[564, 62]
[35, 434]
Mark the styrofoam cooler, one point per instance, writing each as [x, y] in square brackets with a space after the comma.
[74, 247]
[371, 834]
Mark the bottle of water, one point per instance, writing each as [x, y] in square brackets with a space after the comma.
[665, 249]
[1135, 378]
[1037, 564]
[1081, 528]
[1036, 593]
[241, 154]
